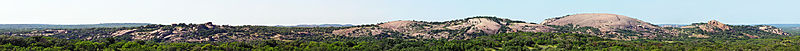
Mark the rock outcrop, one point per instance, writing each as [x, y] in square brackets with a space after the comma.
[743, 30]
[772, 29]
[602, 21]
[608, 24]
[400, 26]
[717, 24]
[181, 33]
[711, 26]
[464, 29]
[123, 32]
[484, 25]
[611, 26]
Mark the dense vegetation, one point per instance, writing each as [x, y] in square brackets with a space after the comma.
[504, 41]
[272, 38]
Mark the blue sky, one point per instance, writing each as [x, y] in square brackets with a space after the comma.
[290, 12]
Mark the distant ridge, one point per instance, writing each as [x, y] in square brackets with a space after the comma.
[70, 26]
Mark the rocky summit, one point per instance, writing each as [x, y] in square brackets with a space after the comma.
[609, 26]
[711, 26]
[605, 25]
[457, 29]
[717, 27]
[602, 21]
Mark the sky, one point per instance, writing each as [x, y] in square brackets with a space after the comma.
[292, 12]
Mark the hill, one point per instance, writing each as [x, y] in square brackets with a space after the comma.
[610, 26]
[456, 29]
[789, 28]
[518, 41]
[592, 31]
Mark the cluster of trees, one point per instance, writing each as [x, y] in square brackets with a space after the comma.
[314, 38]
[503, 41]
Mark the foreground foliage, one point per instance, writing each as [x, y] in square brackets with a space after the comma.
[504, 41]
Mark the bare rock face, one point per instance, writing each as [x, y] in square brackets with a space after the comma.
[717, 24]
[209, 25]
[180, 33]
[122, 32]
[436, 30]
[384, 28]
[602, 21]
[483, 25]
[400, 26]
[610, 25]
[772, 29]
[713, 26]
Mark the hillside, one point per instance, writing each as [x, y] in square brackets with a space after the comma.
[718, 29]
[591, 31]
[789, 28]
[610, 26]
[518, 41]
[456, 29]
